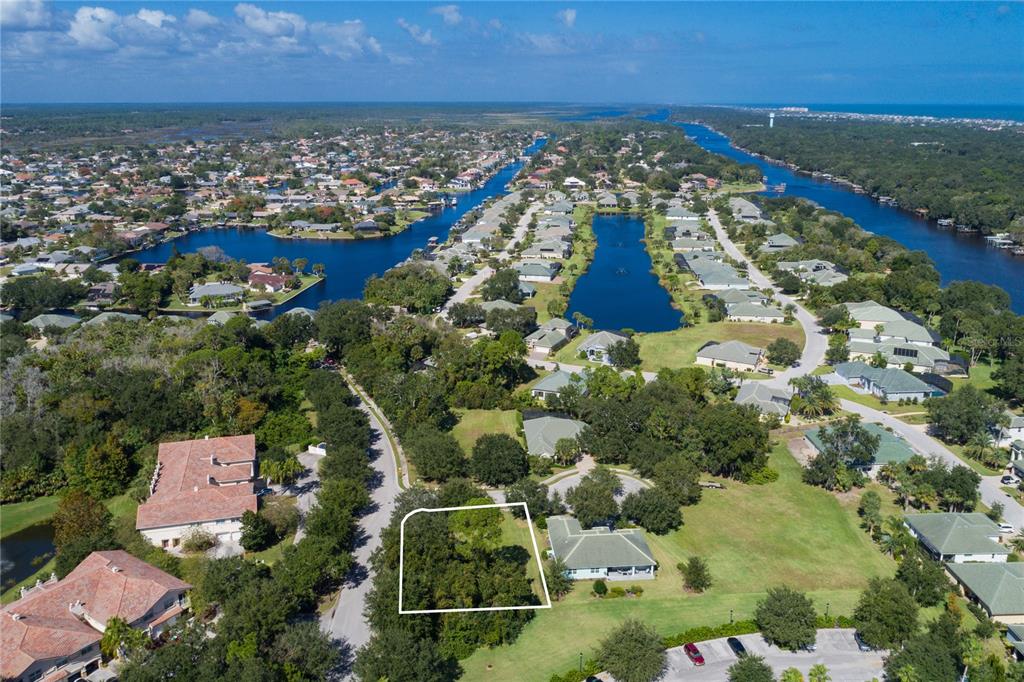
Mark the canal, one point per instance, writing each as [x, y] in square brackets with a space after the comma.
[957, 256]
[619, 291]
[24, 552]
[348, 263]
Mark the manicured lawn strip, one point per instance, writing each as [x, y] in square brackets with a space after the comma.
[892, 407]
[682, 287]
[982, 470]
[546, 292]
[679, 348]
[515, 532]
[20, 515]
[569, 353]
[274, 553]
[980, 375]
[753, 537]
[475, 423]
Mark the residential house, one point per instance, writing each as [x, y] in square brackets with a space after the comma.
[814, 271]
[731, 354]
[600, 552]
[111, 316]
[61, 321]
[892, 449]
[553, 384]
[538, 271]
[777, 243]
[204, 485]
[753, 312]
[869, 314]
[543, 433]
[217, 292]
[260, 281]
[744, 210]
[997, 588]
[53, 630]
[731, 296]
[958, 537]
[1015, 637]
[768, 400]
[102, 293]
[885, 383]
[550, 336]
[1012, 431]
[596, 346]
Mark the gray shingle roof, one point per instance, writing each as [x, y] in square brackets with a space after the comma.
[543, 433]
[598, 547]
[957, 533]
[999, 586]
[731, 351]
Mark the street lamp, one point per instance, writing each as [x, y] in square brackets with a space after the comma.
[827, 604]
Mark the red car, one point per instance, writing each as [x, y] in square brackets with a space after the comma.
[693, 653]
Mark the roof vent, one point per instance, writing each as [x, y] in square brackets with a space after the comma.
[16, 616]
[115, 569]
[206, 438]
[195, 488]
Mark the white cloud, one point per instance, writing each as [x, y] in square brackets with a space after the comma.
[91, 28]
[495, 24]
[567, 17]
[24, 14]
[197, 20]
[546, 44]
[270, 23]
[345, 40]
[450, 13]
[155, 17]
[416, 33]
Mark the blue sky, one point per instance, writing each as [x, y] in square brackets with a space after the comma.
[955, 53]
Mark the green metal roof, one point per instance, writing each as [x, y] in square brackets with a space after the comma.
[957, 533]
[1000, 587]
[598, 547]
[891, 448]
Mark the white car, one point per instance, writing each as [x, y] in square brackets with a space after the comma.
[1005, 528]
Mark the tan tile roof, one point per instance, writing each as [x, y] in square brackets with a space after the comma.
[45, 627]
[186, 489]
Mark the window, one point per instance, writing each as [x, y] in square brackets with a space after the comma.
[168, 603]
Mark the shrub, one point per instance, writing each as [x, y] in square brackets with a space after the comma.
[616, 592]
[763, 476]
[600, 589]
[706, 632]
[636, 590]
[198, 541]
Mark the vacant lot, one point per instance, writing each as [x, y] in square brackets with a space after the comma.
[753, 537]
[475, 423]
[679, 348]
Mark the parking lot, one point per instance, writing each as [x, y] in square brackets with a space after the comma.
[836, 649]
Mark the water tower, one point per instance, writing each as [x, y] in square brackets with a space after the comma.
[771, 120]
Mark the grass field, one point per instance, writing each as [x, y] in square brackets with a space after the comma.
[515, 532]
[679, 348]
[475, 423]
[753, 537]
[892, 407]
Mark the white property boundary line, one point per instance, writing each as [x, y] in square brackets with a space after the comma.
[499, 505]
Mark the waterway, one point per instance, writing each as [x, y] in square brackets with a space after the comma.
[619, 291]
[347, 263]
[957, 256]
[22, 553]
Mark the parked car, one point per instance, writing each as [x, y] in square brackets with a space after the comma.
[1009, 480]
[736, 646]
[693, 653]
[861, 644]
[264, 491]
[810, 648]
[1005, 527]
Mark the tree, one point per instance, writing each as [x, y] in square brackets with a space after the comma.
[567, 450]
[653, 509]
[120, 637]
[787, 618]
[503, 284]
[79, 516]
[397, 655]
[923, 578]
[679, 478]
[813, 397]
[624, 353]
[436, 454]
[791, 675]
[838, 350]
[1009, 377]
[107, 467]
[696, 576]
[633, 653]
[886, 614]
[535, 495]
[932, 655]
[870, 511]
[750, 668]
[466, 314]
[963, 413]
[343, 324]
[559, 584]
[498, 459]
[783, 352]
[845, 444]
[818, 673]
[414, 286]
[521, 320]
[257, 532]
[593, 498]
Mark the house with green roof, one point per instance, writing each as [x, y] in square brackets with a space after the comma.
[543, 433]
[958, 537]
[892, 449]
[997, 588]
[600, 552]
[553, 384]
[887, 383]
[1015, 636]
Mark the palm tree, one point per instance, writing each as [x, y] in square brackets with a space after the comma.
[896, 539]
[318, 269]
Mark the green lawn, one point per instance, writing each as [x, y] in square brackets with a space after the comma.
[546, 292]
[475, 423]
[569, 353]
[980, 376]
[271, 555]
[20, 515]
[679, 348]
[753, 537]
[893, 408]
[515, 532]
[980, 468]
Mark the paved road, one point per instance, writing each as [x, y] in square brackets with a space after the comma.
[836, 650]
[564, 485]
[345, 621]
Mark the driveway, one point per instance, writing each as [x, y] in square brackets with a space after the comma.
[837, 650]
[564, 485]
[305, 489]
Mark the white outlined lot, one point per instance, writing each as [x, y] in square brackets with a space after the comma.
[497, 505]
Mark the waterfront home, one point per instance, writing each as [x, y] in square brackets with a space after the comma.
[552, 248]
[821, 272]
[111, 316]
[596, 346]
[679, 216]
[730, 296]
[892, 449]
[767, 400]
[538, 271]
[709, 269]
[600, 552]
[368, 225]
[53, 320]
[997, 588]
[53, 630]
[868, 314]
[753, 312]
[543, 433]
[261, 281]
[218, 293]
[888, 383]
[607, 200]
[553, 384]
[732, 354]
[958, 537]
[558, 208]
[777, 243]
[550, 336]
[685, 244]
[205, 485]
[220, 317]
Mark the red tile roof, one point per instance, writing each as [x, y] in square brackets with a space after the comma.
[186, 489]
[41, 625]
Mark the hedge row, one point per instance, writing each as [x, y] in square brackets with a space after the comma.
[706, 632]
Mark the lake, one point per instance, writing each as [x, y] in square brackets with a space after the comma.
[619, 291]
[22, 553]
[348, 263]
[957, 256]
